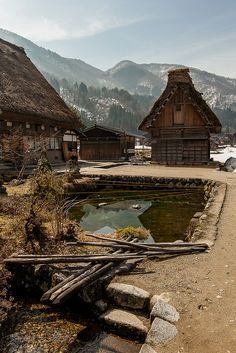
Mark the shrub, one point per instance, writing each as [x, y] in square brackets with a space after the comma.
[135, 232]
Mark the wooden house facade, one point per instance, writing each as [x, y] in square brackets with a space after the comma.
[32, 114]
[102, 143]
[180, 123]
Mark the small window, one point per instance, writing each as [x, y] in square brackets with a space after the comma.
[9, 123]
[27, 126]
[42, 127]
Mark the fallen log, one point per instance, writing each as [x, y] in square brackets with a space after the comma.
[151, 247]
[81, 284]
[63, 288]
[45, 297]
[68, 290]
[54, 292]
[122, 242]
[70, 259]
[147, 246]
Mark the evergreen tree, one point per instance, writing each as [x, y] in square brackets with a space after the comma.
[83, 90]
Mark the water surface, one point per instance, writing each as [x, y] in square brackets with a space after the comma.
[165, 213]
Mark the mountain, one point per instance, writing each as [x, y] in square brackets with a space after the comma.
[219, 91]
[57, 66]
[140, 80]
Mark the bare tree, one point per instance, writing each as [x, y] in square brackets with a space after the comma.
[21, 152]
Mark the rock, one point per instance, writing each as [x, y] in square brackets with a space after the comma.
[197, 215]
[101, 306]
[57, 277]
[124, 323]
[164, 311]
[101, 204]
[128, 296]
[146, 349]
[230, 164]
[136, 207]
[160, 332]
[164, 296]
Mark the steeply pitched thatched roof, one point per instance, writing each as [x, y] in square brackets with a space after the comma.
[180, 78]
[25, 95]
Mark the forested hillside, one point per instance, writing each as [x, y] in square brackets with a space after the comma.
[113, 107]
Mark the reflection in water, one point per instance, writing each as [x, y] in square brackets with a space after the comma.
[114, 215]
[166, 215]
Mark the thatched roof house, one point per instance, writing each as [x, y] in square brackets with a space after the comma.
[180, 123]
[33, 117]
[25, 95]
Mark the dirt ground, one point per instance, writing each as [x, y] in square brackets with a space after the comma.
[202, 287]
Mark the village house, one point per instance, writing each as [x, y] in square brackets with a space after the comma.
[180, 123]
[32, 114]
[103, 143]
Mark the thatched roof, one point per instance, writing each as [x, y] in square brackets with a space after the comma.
[25, 95]
[180, 78]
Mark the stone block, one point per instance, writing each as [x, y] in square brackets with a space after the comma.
[164, 311]
[125, 324]
[160, 333]
[128, 296]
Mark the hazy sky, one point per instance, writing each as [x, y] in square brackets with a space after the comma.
[199, 33]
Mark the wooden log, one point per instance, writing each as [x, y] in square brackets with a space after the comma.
[69, 259]
[151, 247]
[99, 244]
[65, 287]
[178, 245]
[163, 244]
[146, 246]
[122, 242]
[83, 283]
[78, 279]
[45, 297]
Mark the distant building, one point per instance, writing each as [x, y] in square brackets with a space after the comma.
[31, 107]
[103, 143]
[180, 123]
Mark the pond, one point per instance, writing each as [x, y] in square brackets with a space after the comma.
[166, 213]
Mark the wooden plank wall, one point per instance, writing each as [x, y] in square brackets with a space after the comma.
[100, 150]
[180, 151]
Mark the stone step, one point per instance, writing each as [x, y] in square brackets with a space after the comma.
[125, 324]
[160, 333]
[128, 296]
[164, 311]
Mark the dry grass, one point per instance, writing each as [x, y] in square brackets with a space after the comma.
[18, 190]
